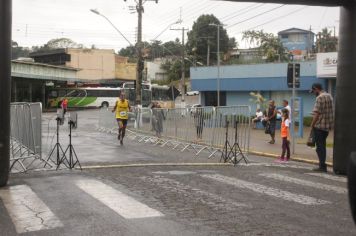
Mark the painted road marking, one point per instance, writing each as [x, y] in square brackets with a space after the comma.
[121, 203]
[304, 182]
[328, 176]
[286, 165]
[259, 188]
[27, 211]
[197, 195]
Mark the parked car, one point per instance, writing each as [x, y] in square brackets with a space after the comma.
[192, 93]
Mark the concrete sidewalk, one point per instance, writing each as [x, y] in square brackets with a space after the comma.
[259, 145]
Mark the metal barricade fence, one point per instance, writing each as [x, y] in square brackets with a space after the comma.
[26, 136]
[107, 120]
[238, 119]
[196, 128]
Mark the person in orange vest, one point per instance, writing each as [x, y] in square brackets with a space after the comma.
[121, 109]
[285, 124]
[64, 105]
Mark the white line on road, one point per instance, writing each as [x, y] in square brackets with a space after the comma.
[286, 165]
[328, 176]
[195, 194]
[27, 211]
[305, 182]
[259, 188]
[121, 203]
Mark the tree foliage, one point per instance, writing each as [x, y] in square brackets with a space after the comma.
[63, 43]
[57, 43]
[326, 42]
[18, 51]
[269, 45]
[153, 50]
[203, 33]
[174, 70]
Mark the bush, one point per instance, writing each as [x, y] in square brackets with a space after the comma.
[307, 121]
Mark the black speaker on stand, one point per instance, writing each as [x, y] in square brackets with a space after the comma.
[57, 148]
[70, 158]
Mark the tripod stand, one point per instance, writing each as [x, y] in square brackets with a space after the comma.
[231, 153]
[57, 147]
[72, 159]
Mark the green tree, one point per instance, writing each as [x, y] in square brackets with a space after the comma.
[63, 43]
[269, 45]
[18, 51]
[174, 69]
[203, 33]
[129, 51]
[57, 43]
[326, 42]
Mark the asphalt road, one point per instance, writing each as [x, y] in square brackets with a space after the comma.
[142, 189]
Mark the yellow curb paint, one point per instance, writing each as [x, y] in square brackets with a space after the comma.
[154, 164]
[293, 158]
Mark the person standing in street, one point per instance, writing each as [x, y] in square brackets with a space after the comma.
[64, 105]
[271, 120]
[121, 109]
[323, 120]
[285, 136]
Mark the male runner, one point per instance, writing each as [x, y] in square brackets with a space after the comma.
[121, 109]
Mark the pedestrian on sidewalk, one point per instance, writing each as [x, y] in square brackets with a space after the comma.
[259, 117]
[121, 109]
[271, 121]
[199, 121]
[323, 120]
[285, 136]
[157, 118]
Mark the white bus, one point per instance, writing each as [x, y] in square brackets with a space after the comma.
[105, 96]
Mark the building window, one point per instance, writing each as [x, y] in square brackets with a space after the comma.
[296, 38]
[284, 36]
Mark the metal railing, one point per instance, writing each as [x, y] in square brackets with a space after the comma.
[198, 129]
[26, 137]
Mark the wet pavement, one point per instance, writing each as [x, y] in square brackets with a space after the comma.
[142, 189]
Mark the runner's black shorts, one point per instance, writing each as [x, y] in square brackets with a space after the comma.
[124, 121]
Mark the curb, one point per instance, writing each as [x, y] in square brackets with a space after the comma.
[271, 155]
[153, 164]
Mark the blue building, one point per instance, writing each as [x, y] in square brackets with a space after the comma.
[237, 81]
[297, 41]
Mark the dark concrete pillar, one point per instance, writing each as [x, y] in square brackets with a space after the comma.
[345, 108]
[5, 89]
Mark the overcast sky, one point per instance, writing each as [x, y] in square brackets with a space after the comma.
[35, 22]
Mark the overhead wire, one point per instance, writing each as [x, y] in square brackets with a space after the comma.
[255, 16]
[277, 18]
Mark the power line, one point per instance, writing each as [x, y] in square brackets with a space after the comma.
[260, 14]
[244, 12]
[277, 18]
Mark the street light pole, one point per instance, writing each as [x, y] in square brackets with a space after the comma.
[98, 13]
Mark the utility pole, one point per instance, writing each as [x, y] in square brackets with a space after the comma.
[140, 61]
[5, 88]
[208, 51]
[218, 77]
[182, 64]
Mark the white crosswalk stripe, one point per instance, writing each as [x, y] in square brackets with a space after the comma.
[259, 188]
[124, 205]
[27, 211]
[328, 176]
[197, 194]
[304, 182]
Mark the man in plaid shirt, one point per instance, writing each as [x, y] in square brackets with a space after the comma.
[323, 120]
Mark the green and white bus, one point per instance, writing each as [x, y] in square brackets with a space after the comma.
[105, 96]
